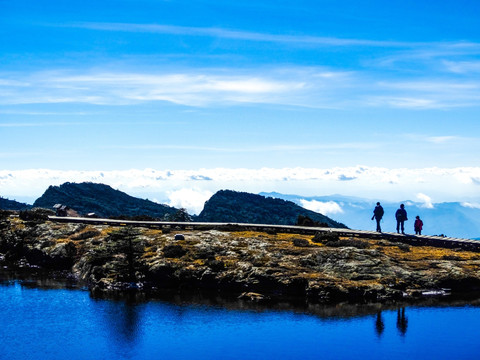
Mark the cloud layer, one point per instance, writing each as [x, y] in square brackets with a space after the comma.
[191, 188]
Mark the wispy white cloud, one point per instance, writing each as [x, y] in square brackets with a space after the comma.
[296, 40]
[440, 140]
[427, 94]
[407, 102]
[432, 54]
[462, 67]
[443, 139]
[252, 149]
[295, 86]
[431, 86]
[192, 89]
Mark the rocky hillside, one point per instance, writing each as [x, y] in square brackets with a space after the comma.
[257, 265]
[6, 204]
[241, 207]
[101, 199]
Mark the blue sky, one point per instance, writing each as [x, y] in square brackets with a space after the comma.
[109, 86]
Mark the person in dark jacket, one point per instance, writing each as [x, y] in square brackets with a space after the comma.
[418, 225]
[401, 216]
[377, 215]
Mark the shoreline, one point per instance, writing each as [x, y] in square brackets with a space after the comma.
[338, 310]
[254, 266]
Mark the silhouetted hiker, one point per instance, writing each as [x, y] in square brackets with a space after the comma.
[377, 215]
[418, 225]
[401, 216]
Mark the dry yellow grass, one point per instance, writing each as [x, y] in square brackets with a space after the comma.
[108, 230]
[417, 253]
[149, 254]
[249, 234]
[17, 224]
[290, 237]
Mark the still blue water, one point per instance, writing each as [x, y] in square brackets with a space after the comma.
[69, 324]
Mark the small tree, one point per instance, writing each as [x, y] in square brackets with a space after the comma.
[180, 216]
[304, 220]
[125, 242]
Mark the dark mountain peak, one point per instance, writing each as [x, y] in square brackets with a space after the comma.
[234, 206]
[101, 199]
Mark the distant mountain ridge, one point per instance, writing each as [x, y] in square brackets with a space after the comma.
[6, 204]
[454, 219]
[101, 199]
[242, 207]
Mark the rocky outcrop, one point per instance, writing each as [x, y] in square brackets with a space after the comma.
[258, 265]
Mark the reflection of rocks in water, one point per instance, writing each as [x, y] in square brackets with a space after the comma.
[343, 310]
[379, 325]
[38, 278]
[402, 321]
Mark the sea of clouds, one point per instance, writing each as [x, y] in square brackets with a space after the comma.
[191, 188]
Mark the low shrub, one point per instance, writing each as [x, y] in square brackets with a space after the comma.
[174, 251]
[301, 242]
[404, 247]
[323, 237]
[359, 244]
[166, 230]
[4, 214]
[86, 234]
[215, 265]
[303, 220]
[36, 214]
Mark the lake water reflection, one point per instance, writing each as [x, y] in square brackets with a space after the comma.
[38, 323]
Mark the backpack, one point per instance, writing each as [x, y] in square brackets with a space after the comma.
[378, 212]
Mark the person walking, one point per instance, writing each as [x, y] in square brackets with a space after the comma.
[401, 216]
[377, 215]
[418, 226]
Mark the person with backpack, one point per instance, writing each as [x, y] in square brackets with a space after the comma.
[377, 215]
[418, 226]
[401, 217]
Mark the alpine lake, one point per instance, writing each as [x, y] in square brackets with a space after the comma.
[50, 319]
